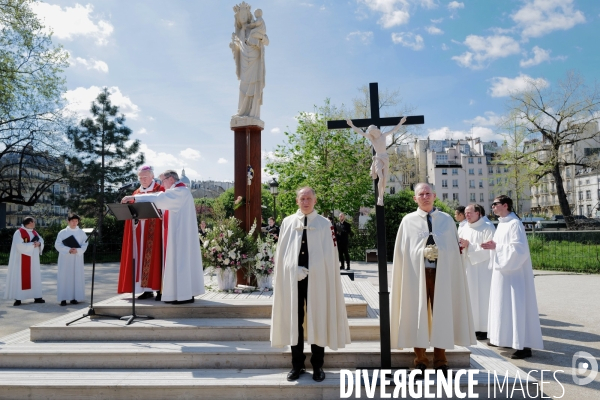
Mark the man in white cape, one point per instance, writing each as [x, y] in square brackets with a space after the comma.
[183, 277]
[513, 314]
[70, 277]
[23, 276]
[416, 319]
[477, 265]
[306, 268]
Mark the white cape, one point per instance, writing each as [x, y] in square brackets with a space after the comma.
[13, 279]
[70, 276]
[183, 276]
[479, 273]
[452, 322]
[513, 315]
[327, 322]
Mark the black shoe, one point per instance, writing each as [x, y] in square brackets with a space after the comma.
[63, 303]
[318, 375]
[444, 369]
[17, 303]
[39, 300]
[145, 295]
[158, 296]
[520, 354]
[295, 373]
[74, 301]
[348, 268]
[420, 375]
[481, 335]
[342, 267]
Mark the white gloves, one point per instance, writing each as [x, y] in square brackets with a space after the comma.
[302, 273]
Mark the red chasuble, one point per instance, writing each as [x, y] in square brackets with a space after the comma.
[26, 262]
[149, 267]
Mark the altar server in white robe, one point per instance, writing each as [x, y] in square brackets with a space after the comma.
[513, 315]
[477, 265]
[24, 278]
[419, 276]
[306, 269]
[183, 277]
[70, 276]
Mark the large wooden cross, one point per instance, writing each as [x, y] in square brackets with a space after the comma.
[384, 295]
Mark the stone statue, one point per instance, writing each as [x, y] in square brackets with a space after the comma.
[248, 46]
[381, 161]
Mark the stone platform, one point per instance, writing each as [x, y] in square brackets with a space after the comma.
[217, 347]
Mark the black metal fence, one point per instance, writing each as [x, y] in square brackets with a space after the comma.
[574, 251]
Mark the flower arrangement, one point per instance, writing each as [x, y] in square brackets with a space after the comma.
[226, 245]
[264, 261]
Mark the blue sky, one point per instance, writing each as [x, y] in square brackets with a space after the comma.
[170, 69]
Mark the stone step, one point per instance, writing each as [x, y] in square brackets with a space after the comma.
[187, 384]
[179, 329]
[206, 308]
[204, 355]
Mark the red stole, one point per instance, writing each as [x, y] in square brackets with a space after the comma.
[26, 262]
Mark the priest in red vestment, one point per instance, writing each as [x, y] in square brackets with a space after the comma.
[145, 246]
[183, 277]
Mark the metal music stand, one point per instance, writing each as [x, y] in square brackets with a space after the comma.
[91, 312]
[135, 211]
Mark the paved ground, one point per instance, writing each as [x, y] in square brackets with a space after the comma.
[568, 306]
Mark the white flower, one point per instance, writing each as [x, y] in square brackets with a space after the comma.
[226, 261]
[229, 233]
[232, 254]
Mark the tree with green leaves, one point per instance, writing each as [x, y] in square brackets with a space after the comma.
[334, 163]
[31, 117]
[560, 124]
[103, 158]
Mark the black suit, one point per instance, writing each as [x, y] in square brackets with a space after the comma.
[343, 232]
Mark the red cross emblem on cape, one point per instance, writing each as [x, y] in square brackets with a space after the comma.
[333, 236]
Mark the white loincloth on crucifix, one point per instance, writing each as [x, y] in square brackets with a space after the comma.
[381, 161]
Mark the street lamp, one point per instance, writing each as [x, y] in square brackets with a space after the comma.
[274, 188]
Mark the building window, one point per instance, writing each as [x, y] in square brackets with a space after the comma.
[478, 160]
[393, 190]
[505, 169]
[588, 194]
[509, 193]
[444, 196]
[481, 183]
[471, 171]
[480, 171]
[499, 181]
[580, 195]
[481, 197]
[589, 210]
[472, 183]
[491, 196]
[472, 197]
[444, 171]
[498, 170]
[441, 158]
[470, 160]
[454, 171]
[568, 170]
[490, 170]
[581, 209]
[491, 182]
[444, 183]
[454, 183]
[455, 196]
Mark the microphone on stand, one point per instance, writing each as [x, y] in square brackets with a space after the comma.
[129, 185]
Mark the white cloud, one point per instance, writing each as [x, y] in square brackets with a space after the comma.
[161, 161]
[502, 87]
[428, 4]
[275, 131]
[395, 12]
[222, 161]
[444, 47]
[80, 100]
[445, 133]
[437, 21]
[454, 5]
[489, 119]
[486, 134]
[434, 30]
[540, 17]
[142, 131]
[167, 23]
[486, 49]
[190, 154]
[364, 37]
[75, 21]
[89, 64]
[408, 39]
[539, 56]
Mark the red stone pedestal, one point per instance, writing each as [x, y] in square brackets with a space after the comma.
[247, 152]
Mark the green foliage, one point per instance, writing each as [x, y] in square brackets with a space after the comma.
[223, 206]
[31, 117]
[104, 156]
[334, 163]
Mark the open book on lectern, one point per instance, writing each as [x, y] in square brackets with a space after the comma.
[135, 211]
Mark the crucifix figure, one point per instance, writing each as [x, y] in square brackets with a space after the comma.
[381, 161]
[378, 141]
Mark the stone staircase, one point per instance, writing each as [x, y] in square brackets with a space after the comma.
[217, 347]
